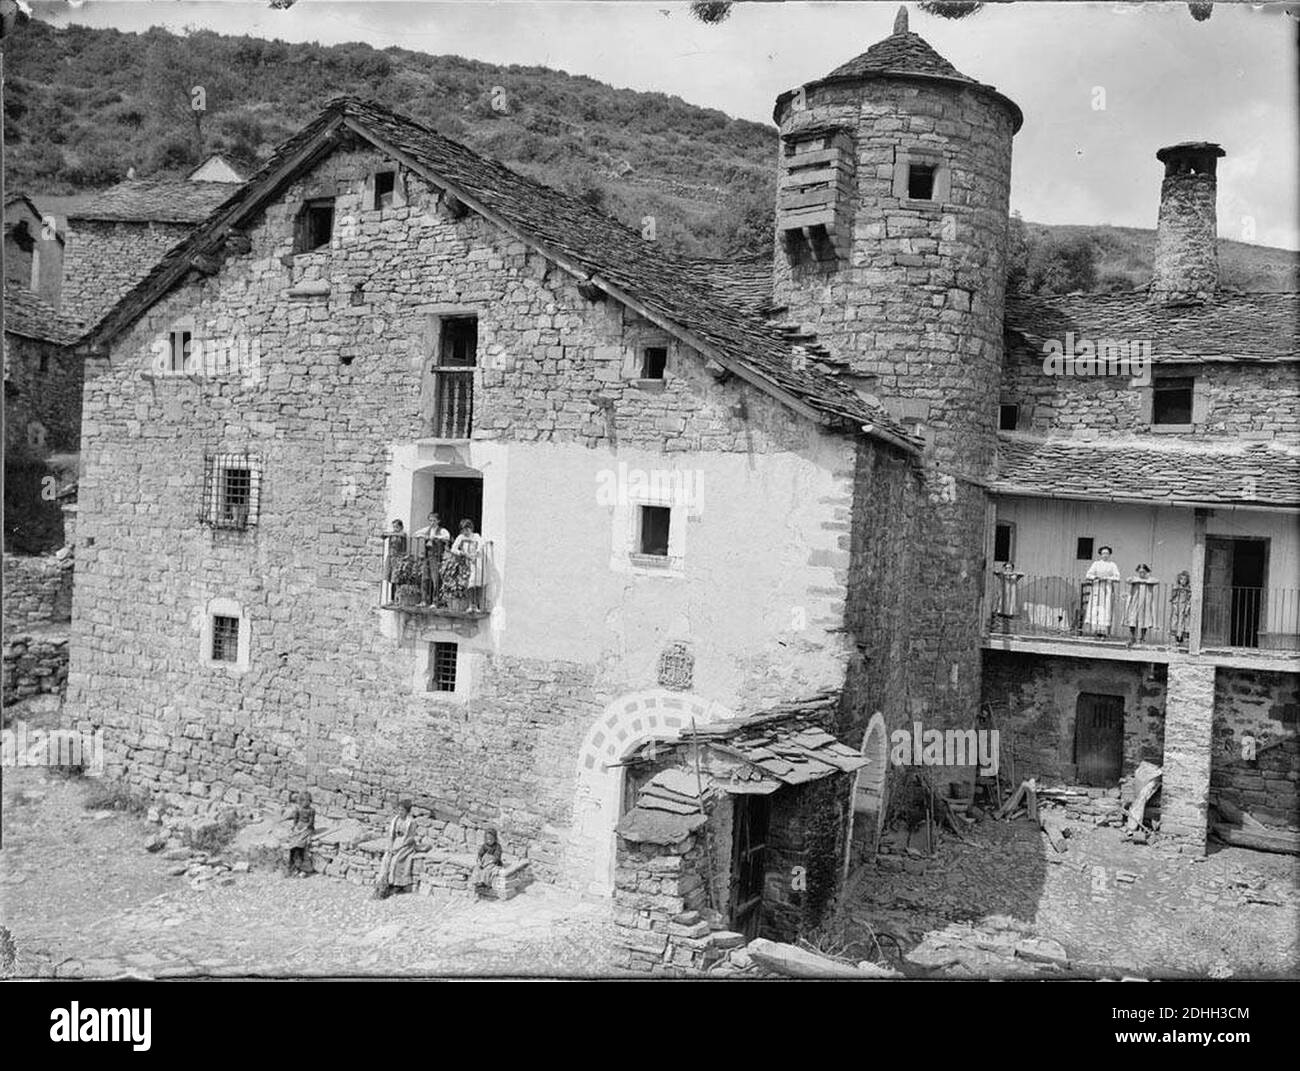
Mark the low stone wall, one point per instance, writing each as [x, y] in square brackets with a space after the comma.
[1262, 777]
[37, 590]
[35, 663]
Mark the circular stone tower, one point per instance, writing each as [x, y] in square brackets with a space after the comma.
[892, 202]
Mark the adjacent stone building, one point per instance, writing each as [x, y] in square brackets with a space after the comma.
[707, 492]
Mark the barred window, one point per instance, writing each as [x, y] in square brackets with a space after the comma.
[225, 639]
[231, 490]
[676, 667]
[442, 667]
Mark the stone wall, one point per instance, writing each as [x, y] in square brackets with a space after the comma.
[1034, 701]
[806, 841]
[37, 590]
[1238, 401]
[1189, 714]
[658, 897]
[35, 663]
[331, 404]
[1266, 707]
[104, 259]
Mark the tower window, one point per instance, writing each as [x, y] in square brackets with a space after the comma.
[920, 182]
[1008, 417]
[655, 521]
[442, 667]
[1171, 400]
[225, 639]
[654, 359]
[314, 225]
[385, 183]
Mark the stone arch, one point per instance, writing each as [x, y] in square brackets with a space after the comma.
[869, 786]
[625, 723]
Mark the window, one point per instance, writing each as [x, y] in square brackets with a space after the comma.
[225, 639]
[231, 490]
[1008, 417]
[1171, 400]
[315, 225]
[45, 363]
[179, 351]
[920, 182]
[1004, 542]
[453, 374]
[442, 667]
[385, 183]
[653, 539]
[1083, 549]
[654, 359]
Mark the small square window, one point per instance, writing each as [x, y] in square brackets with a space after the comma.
[1171, 400]
[225, 639]
[315, 225]
[920, 182]
[1083, 549]
[654, 359]
[385, 184]
[1008, 417]
[236, 493]
[442, 667]
[231, 490]
[179, 353]
[655, 522]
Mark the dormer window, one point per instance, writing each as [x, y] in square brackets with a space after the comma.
[385, 184]
[920, 182]
[315, 225]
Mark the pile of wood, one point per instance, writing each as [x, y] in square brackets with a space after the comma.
[1240, 828]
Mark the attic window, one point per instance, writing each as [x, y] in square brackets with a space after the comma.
[1171, 401]
[385, 183]
[920, 182]
[315, 225]
[654, 359]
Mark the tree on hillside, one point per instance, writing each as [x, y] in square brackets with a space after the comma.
[1061, 264]
[183, 86]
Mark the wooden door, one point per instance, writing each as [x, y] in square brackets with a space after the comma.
[748, 866]
[1099, 739]
[1216, 602]
[458, 498]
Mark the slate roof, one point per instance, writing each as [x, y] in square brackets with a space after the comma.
[900, 53]
[28, 316]
[745, 282]
[1254, 326]
[1265, 473]
[565, 228]
[156, 200]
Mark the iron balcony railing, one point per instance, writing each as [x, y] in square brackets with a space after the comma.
[1089, 610]
[453, 409]
[424, 576]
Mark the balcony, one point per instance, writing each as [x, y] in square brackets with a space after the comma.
[1046, 611]
[423, 578]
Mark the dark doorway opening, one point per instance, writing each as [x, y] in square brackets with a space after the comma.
[748, 862]
[458, 498]
[1235, 578]
[1099, 739]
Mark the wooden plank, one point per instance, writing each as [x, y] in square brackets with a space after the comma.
[1270, 840]
[795, 962]
[1031, 804]
[1053, 827]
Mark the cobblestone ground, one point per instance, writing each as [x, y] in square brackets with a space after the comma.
[84, 899]
[1140, 909]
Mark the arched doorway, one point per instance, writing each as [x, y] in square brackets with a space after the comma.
[626, 723]
[869, 793]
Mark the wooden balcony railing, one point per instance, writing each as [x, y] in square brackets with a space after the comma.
[453, 403]
[1093, 611]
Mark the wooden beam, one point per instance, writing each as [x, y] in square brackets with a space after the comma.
[1199, 523]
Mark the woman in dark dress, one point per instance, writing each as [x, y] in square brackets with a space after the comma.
[489, 862]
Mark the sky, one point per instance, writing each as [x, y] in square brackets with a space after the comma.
[1102, 86]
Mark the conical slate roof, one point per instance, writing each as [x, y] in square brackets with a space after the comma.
[900, 53]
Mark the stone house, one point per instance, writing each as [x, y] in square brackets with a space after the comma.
[33, 249]
[707, 491]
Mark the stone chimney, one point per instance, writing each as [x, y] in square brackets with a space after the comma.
[1187, 255]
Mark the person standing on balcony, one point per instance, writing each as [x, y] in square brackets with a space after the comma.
[1008, 597]
[436, 541]
[394, 551]
[1140, 613]
[462, 572]
[1104, 575]
[1180, 608]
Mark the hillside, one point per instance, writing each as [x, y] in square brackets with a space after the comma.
[82, 105]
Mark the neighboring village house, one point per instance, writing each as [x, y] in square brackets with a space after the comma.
[117, 235]
[708, 492]
[33, 249]
[1191, 464]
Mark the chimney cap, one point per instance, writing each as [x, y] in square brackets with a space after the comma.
[1190, 148]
